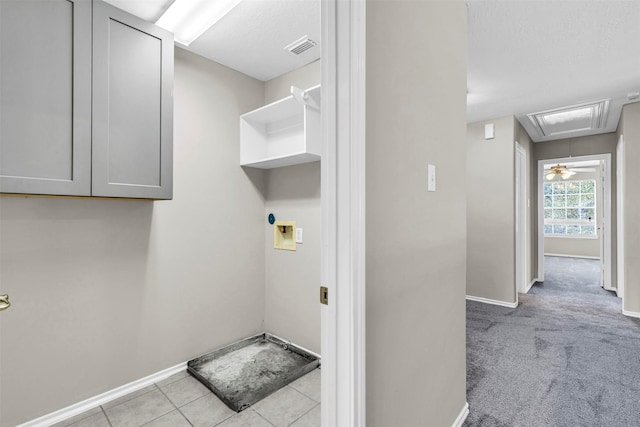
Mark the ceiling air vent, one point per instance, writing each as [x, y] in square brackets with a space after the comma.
[577, 118]
[300, 45]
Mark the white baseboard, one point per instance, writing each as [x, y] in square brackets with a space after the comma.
[93, 402]
[462, 416]
[493, 301]
[573, 256]
[631, 313]
[531, 284]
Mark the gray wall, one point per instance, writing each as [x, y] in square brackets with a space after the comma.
[416, 240]
[582, 146]
[304, 78]
[108, 291]
[630, 128]
[293, 278]
[490, 192]
[293, 193]
[587, 248]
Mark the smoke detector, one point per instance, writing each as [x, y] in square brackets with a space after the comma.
[301, 45]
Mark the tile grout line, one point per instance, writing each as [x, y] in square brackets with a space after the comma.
[228, 418]
[77, 418]
[174, 381]
[297, 391]
[185, 417]
[106, 416]
[128, 400]
[190, 401]
[174, 405]
[304, 394]
[311, 409]
[300, 391]
[263, 417]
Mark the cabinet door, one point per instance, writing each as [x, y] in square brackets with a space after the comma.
[45, 97]
[132, 106]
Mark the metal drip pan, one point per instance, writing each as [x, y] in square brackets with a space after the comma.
[245, 372]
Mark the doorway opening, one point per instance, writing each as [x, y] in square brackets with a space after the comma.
[574, 213]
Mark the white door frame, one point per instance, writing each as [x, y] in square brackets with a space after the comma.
[522, 281]
[606, 208]
[620, 217]
[343, 213]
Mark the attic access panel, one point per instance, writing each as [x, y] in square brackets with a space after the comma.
[576, 118]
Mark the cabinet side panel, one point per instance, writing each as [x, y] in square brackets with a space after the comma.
[134, 106]
[44, 97]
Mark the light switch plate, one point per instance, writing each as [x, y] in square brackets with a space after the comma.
[298, 235]
[489, 131]
[431, 180]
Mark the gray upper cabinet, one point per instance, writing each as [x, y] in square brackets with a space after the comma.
[132, 106]
[45, 97]
[86, 101]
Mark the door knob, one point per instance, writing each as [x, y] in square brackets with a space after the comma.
[4, 302]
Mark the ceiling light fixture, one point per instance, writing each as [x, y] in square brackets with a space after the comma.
[559, 170]
[189, 19]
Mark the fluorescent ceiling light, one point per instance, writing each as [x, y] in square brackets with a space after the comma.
[189, 19]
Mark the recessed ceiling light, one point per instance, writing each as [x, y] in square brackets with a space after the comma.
[576, 118]
[189, 19]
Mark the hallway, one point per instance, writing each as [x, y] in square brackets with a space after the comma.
[566, 356]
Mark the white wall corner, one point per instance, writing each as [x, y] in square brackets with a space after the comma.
[462, 416]
[492, 301]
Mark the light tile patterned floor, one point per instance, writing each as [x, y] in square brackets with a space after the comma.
[181, 400]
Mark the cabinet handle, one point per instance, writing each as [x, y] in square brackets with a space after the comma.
[4, 302]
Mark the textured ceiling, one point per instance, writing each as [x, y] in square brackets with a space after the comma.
[530, 56]
[525, 56]
[252, 37]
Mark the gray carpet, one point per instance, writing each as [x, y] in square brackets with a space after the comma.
[565, 357]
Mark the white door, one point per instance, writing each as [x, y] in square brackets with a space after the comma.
[620, 212]
[601, 225]
[521, 219]
[605, 224]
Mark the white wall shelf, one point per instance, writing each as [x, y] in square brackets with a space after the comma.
[286, 132]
